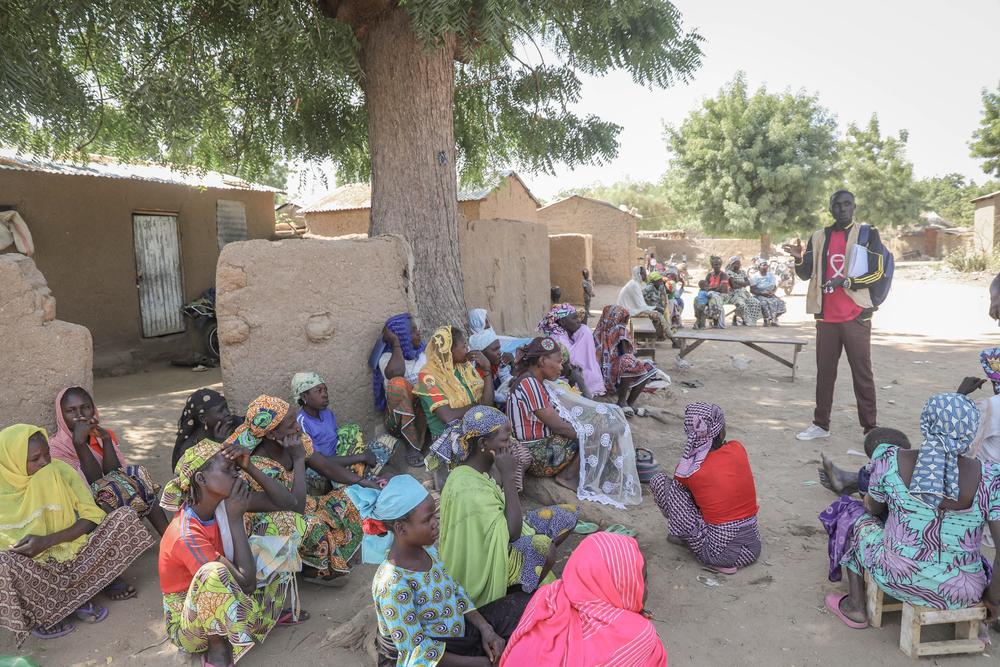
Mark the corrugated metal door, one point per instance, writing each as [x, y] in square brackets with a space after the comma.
[158, 274]
[230, 221]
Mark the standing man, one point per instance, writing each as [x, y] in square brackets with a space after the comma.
[843, 309]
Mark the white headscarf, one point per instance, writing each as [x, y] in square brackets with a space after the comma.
[631, 297]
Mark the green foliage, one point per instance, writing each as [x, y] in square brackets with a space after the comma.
[986, 140]
[747, 164]
[876, 170]
[972, 262]
[950, 196]
[650, 200]
[242, 84]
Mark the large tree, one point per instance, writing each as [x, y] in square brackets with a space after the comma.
[752, 164]
[406, 92]
[876, 170]
[986, 140]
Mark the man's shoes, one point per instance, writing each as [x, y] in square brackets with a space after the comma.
[813, 432]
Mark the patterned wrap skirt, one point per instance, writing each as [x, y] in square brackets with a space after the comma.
[731, 544]
[131, 486]
[530, 551]
[38, 594]
[550, 455]
[214, 604]
[403, 416]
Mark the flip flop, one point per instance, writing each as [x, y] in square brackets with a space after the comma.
[585, 528]
[723, 570]
[63, 630]
[641, 412]
[629, 412]
[619, 529]
[206, 663]
[116, 588]
[91, 613]
[833, 601]
[330, 582]
[414, 459]
[288, 617]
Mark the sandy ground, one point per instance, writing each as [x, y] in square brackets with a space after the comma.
[926, 339]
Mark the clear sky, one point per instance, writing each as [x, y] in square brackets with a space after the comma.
[919, 65]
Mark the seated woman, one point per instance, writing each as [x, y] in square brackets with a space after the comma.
[764, 286]
[593, 615]
[212, 603]
[631, 297]
[938, 501]
[479, 321]
[424, 615]
[331, 533]
[536, 423]
[205, 415]
[624, 375]
[449, 383]
[342, 445]
[563, 325]
[396, 361]
[711, 504]
[747, 307]
[57, 547]
[93, 451]
[717, 287]
[675, 290]
[486, 543]
[487, 342]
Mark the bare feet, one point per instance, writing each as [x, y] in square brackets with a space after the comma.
[839, 481]
[562, 481]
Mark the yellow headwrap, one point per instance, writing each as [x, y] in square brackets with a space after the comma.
[443, 373]
[43, 503]
[178, 490]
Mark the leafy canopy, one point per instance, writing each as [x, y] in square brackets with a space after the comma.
[241, 84]
[749, 164]
[986, 140]
[876, 170]
[950, 196]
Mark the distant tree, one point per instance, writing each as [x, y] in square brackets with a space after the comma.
[752, 164]
[986, 140]
[876, 170]
[650, 200]
[950, 196]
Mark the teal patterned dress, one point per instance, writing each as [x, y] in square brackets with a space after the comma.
[920, 556]
[417, 609]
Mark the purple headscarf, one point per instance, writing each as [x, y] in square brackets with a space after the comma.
[702, 422]
[402, 326]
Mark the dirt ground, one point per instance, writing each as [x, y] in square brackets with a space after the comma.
[926, 338]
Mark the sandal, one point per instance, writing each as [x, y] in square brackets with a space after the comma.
[288, 617]
[723, 570]
[585, 528]
[414, 458]
[119, 590]
[619, 529]
[335, 580]
[833, 601]
[60, 629]
[641, 412]
[629, 412]
[206, 663]
[91, 613]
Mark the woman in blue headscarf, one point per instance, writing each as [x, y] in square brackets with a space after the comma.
[939, 502]
[423, 613]
[396, 360]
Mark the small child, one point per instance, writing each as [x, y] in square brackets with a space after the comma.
[588, 294]
[700, 301]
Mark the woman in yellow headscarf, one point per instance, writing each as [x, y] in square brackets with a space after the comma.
[449, 384]
[57, 548]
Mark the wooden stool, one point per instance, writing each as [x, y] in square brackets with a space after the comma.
[966, 623]
[878, 602]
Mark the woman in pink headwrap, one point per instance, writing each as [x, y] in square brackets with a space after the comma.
[711, 504]
[563, 324]
[593, 615]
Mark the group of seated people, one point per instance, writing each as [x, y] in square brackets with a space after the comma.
[924, 514]
[754, 294]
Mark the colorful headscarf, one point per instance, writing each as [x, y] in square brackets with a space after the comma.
[303, 382]
[990, 358]
[592, 616]
[653, 277]
[550, 323]
[377, 506]
[61, 444]
[402, 326]
[263, 416]
[948, 423]
[477, 320]
[479, 422]
[611, 329]
[177, 492]
[196, 405]
[483, 339]
[441, 371]
[702, 422]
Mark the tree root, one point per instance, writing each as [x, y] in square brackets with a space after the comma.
[357, 634]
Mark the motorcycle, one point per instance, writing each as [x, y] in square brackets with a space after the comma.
[202, 312]
[784, 270]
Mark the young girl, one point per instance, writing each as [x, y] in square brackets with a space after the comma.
[95, 453]
[205, 415]
[424, 616]
[211, 599]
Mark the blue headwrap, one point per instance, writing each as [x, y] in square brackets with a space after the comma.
[948, 423]
[402, 326]
[375, 506]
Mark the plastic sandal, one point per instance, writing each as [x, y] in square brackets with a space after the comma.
[585, 528]
[619, 529]
[91, 613]
[116, 588]
[288, 617]
[64, 629]
[833, 601]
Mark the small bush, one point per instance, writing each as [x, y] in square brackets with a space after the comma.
[971, 262]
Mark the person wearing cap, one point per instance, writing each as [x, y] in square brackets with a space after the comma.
[425, 617]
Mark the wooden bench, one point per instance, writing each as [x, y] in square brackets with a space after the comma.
[966, 623]
[690, 340]
[644, 334]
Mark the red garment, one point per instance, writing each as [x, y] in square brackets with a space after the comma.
[525, 399]
[718, 280]
[723, 486]
[838, 306]
[186, 545]
[592, 615]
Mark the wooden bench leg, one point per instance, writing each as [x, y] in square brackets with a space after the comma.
[909, 633]
[688, 349]
[795, 360]
[874, 599]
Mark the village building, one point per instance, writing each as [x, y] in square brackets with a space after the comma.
[124, 246]
[986, 232]
[612, 231]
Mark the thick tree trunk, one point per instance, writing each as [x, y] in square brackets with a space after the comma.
[409, 95]
[765, 245]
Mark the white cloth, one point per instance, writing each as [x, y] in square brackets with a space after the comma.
[631, 296]
[607, 456]
[412, 367]
[14, 230]
[986, 446]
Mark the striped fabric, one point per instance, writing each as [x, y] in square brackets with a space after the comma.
[527, 397]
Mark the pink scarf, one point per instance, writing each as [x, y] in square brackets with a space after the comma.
[61, 443]
[591, 616]
[702, 422]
